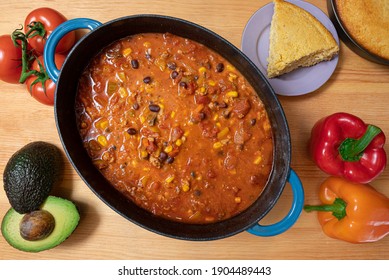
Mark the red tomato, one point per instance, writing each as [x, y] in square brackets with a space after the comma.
[50, 19]
[10, 60]
[45, 96]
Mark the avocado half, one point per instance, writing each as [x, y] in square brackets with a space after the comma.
[66, 218]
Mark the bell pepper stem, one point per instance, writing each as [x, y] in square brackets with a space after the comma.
[352, 149]
[338, 208]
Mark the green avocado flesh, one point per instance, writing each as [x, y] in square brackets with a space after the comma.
[66, 218]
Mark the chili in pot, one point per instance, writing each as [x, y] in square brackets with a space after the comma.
[175, 128]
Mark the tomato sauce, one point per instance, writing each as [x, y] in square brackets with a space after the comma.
[175, 128]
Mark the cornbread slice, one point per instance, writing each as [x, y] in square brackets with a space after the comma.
[297, 39]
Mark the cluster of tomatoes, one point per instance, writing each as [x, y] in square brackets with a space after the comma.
[21, 53]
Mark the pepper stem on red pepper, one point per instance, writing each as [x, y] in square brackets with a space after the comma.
[338, 208]
[352, 149]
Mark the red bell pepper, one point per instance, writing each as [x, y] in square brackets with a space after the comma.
[343, 145]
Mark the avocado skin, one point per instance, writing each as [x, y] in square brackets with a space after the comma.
[66, 216]
[30, 175]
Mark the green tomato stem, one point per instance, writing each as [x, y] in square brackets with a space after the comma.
[20, 39]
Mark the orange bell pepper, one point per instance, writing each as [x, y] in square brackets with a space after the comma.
[352, 212]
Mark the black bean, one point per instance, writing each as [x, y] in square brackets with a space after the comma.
[202, 115]
[135, 106]
[131, 131]
[147, 80]
[170, 160]
[135, 63]
[174, 74]
[197, 192]
[154, 108]
[219, 67]
[184, 85]
[172, 65]
[163, 156]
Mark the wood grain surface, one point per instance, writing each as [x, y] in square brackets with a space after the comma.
[357, 86]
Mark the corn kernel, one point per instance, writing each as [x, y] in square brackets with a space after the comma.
[202, 70]
[123, 92]
[232, 93]
[185, 187]
[155, 129]
[215, 117]
[178, 142]
[219, 125]
[211, 83]
[143, 180]
[102, 140]
[168, 149]
[111, 87]
[172, 114]
[217, 145]
[142, 119]
[223, 133]
[147, 44]
[202, 89]
[127, 52]
[238, 199]
[102, 124]
[258, 159]
[232, 77]
[143, 154]
[230, 67]
[122, 76]
[127, 136]
[186, 133]
[169, 179]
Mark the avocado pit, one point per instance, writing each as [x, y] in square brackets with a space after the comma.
[37, 225]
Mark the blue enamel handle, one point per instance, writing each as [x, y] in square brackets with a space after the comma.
[291, 217]
[57, 35]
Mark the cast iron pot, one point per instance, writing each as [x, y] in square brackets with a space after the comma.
[67, 79]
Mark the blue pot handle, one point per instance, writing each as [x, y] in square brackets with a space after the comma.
[57, 35]
[291, 217]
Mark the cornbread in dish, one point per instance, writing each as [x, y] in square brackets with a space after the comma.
[367, 23]
[297, 39]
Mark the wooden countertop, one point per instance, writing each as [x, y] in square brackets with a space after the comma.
[358, 86]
